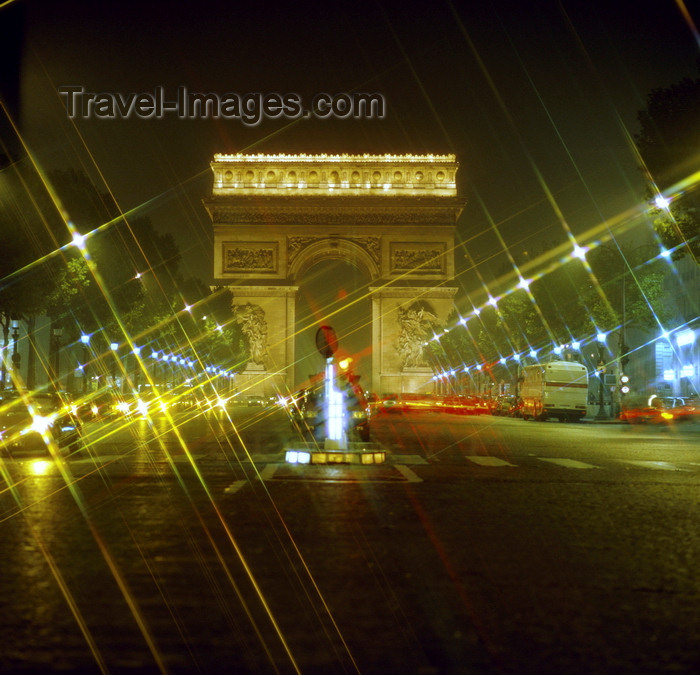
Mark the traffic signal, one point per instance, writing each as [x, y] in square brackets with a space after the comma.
[624, 384]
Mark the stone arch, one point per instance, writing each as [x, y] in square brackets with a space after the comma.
[333, 248]
[391, 216]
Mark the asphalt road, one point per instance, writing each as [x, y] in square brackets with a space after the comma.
[482, 545]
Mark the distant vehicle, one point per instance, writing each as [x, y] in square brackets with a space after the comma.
[464, 404]
[683, 409]
[255, 400]
[31, 421]
[388, 403]
[558, 389]
[410, 403]
[420, 402]
[373, 402]
[662, 410]
[146, 404]
[506, 406]
[98, 407]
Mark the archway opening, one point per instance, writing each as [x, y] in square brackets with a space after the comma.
[334, 293]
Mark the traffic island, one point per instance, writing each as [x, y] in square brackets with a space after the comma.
[332, 453]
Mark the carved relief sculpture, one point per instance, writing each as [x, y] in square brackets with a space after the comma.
[251, 318]
[416, 329]
[249, 259]
[409, 260]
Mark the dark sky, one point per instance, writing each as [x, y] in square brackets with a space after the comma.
[533, 97]
[537, 99]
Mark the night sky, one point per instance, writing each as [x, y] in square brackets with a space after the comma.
[535, 99]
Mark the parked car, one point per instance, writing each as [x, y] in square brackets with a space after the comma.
[506, 406]
[31, 421]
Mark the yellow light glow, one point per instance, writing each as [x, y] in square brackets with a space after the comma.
[40, 467]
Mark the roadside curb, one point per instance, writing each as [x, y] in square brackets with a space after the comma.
[687, 426]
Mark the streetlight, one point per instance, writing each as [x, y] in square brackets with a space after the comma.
[85, 339]
[154, 372]
[114, 346]
[137, 353]
[516, 382]
[56, 333]
[602, 415]
[16, 356]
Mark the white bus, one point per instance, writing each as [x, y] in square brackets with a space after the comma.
[558, 389]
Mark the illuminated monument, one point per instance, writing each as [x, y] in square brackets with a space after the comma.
[392, 216]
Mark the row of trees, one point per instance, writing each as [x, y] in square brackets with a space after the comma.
[69, 255]
[669, 147]
[618, 286]
[611, 289]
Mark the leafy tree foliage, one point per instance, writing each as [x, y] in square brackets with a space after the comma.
[670, 132]
[125, 285]
[627, 288]
[668, 143]
[624, 287]
[37, 276]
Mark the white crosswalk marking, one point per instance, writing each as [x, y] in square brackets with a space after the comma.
[568, 463]
[486, 460]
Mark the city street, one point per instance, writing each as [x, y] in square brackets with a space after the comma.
[483, 545]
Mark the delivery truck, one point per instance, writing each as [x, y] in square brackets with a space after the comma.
[554, 390]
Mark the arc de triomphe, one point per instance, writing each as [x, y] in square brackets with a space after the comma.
[392, 216]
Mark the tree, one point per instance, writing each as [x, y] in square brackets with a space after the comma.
[124, 284]
[627, 288]
[668, 143]
[32, 267]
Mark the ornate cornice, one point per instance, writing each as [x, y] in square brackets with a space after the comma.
[413, 292]
[253, 213]
[304, 175]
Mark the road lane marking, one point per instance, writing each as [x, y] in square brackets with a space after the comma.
[268, 472]
[568, 463]
[657, 466]
[407, 459]
[235, 486]
[408, 474]
[486, 460]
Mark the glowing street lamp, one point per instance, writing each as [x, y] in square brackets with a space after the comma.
[56, 333]
[602, 415]
[662, 202]
[137, 353]
[114, 346]
[85, 339]
[16, 356]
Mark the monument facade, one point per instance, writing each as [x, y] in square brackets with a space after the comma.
[392, 216]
